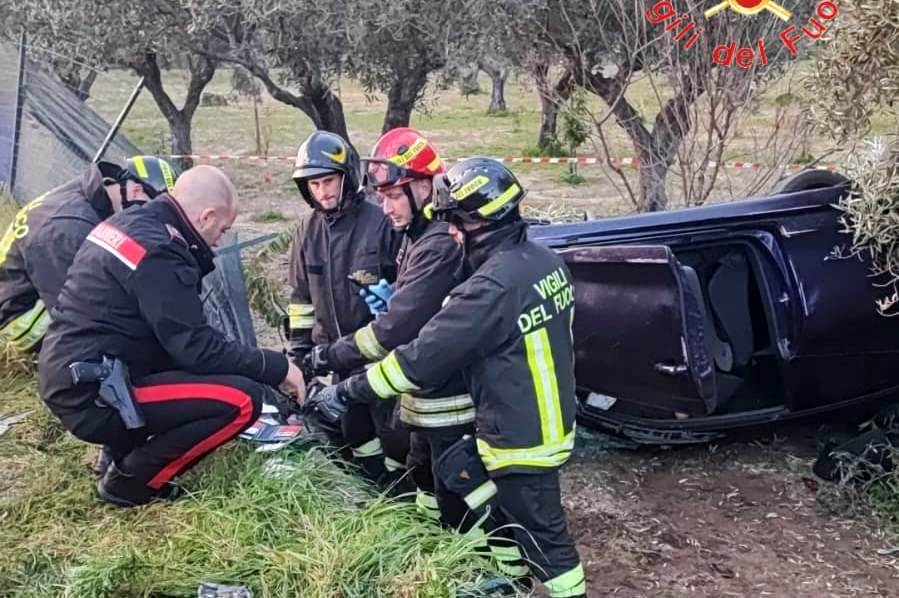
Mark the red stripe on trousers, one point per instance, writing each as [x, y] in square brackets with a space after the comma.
[218, 392]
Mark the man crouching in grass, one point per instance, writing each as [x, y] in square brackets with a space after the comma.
[132, 298]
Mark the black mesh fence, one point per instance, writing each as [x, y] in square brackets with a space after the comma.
[48, 135]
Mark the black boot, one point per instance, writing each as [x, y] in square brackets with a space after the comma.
[119, 488]
[102, 462]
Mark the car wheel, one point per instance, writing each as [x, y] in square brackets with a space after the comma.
[810, 179]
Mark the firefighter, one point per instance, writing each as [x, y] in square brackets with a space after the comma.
[508, 328]
[401, 169]
[343, 237]
[132, 294]
[40, 244]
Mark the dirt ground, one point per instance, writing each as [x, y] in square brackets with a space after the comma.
[735, 519]
[738, 518]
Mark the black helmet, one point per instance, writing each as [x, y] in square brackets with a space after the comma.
[477, 189]
[152, 172]
[325, 153]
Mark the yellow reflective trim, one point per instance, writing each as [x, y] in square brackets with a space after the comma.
[538, 456]
[26, 330]
[469, 188]
[140, 166]
[437, 420]
[395, 375]
[301, 323]
[509, 560]
[543, 373]
[393, 464]
[409, 154]
[339, 156]
[436, 412]
[368, 343]
[570, 583]
[378, 381]
[500, 201]
[428, 211]
[300, 309]
[436, 405]
[480, 495]
[18, 228]
[372, 448]
[167, 175]
[301, 316]
[427, 504]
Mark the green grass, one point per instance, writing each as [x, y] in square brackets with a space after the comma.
[315, 531]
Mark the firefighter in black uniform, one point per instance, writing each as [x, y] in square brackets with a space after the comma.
[343, 236]
[508, 328]
[132, 294]
[429, 266]
[40, 244]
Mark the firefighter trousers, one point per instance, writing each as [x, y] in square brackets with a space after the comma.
[187, 417]
[377, 442]
[432, 495]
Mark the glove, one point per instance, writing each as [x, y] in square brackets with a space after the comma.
[315, 363]
[377, 303]
[331, 402]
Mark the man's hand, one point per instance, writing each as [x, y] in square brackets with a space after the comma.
[294, 382]
[377, 296]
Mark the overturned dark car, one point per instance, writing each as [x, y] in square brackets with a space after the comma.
[691, 323]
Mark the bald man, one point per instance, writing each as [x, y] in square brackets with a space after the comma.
[132, 295]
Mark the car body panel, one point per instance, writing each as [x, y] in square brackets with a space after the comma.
[829, 346]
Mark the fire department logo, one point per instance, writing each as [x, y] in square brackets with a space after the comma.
[687, 31]
[750, 7]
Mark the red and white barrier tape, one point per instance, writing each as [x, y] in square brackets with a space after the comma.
[634, 161]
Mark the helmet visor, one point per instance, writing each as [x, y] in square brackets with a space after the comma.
[384, 173]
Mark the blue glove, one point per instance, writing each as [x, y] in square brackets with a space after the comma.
[377, 304]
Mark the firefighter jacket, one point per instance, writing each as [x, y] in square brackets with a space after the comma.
[508, 328]
[37, 250]
[429, 266]
[356, 241]
[134, 293]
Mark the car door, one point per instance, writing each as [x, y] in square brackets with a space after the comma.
[639, 331]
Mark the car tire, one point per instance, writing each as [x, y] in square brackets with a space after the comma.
[810, 179]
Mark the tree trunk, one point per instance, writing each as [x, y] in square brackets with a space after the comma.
[401, 98]
[656, 150]
[180, 127]
[328, 110]
[652, 174]
[551, 97]
[84, 88]
[256, 124]
[80, 86]
[469, 81]
[315, 98]
[179, 119]
[498, 92]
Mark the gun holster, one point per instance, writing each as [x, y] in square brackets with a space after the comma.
[115, 387]
[463, 473]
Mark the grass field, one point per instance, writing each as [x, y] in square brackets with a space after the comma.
[459, 126]
[318, 532]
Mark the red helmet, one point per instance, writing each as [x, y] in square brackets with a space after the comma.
[400, 155]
